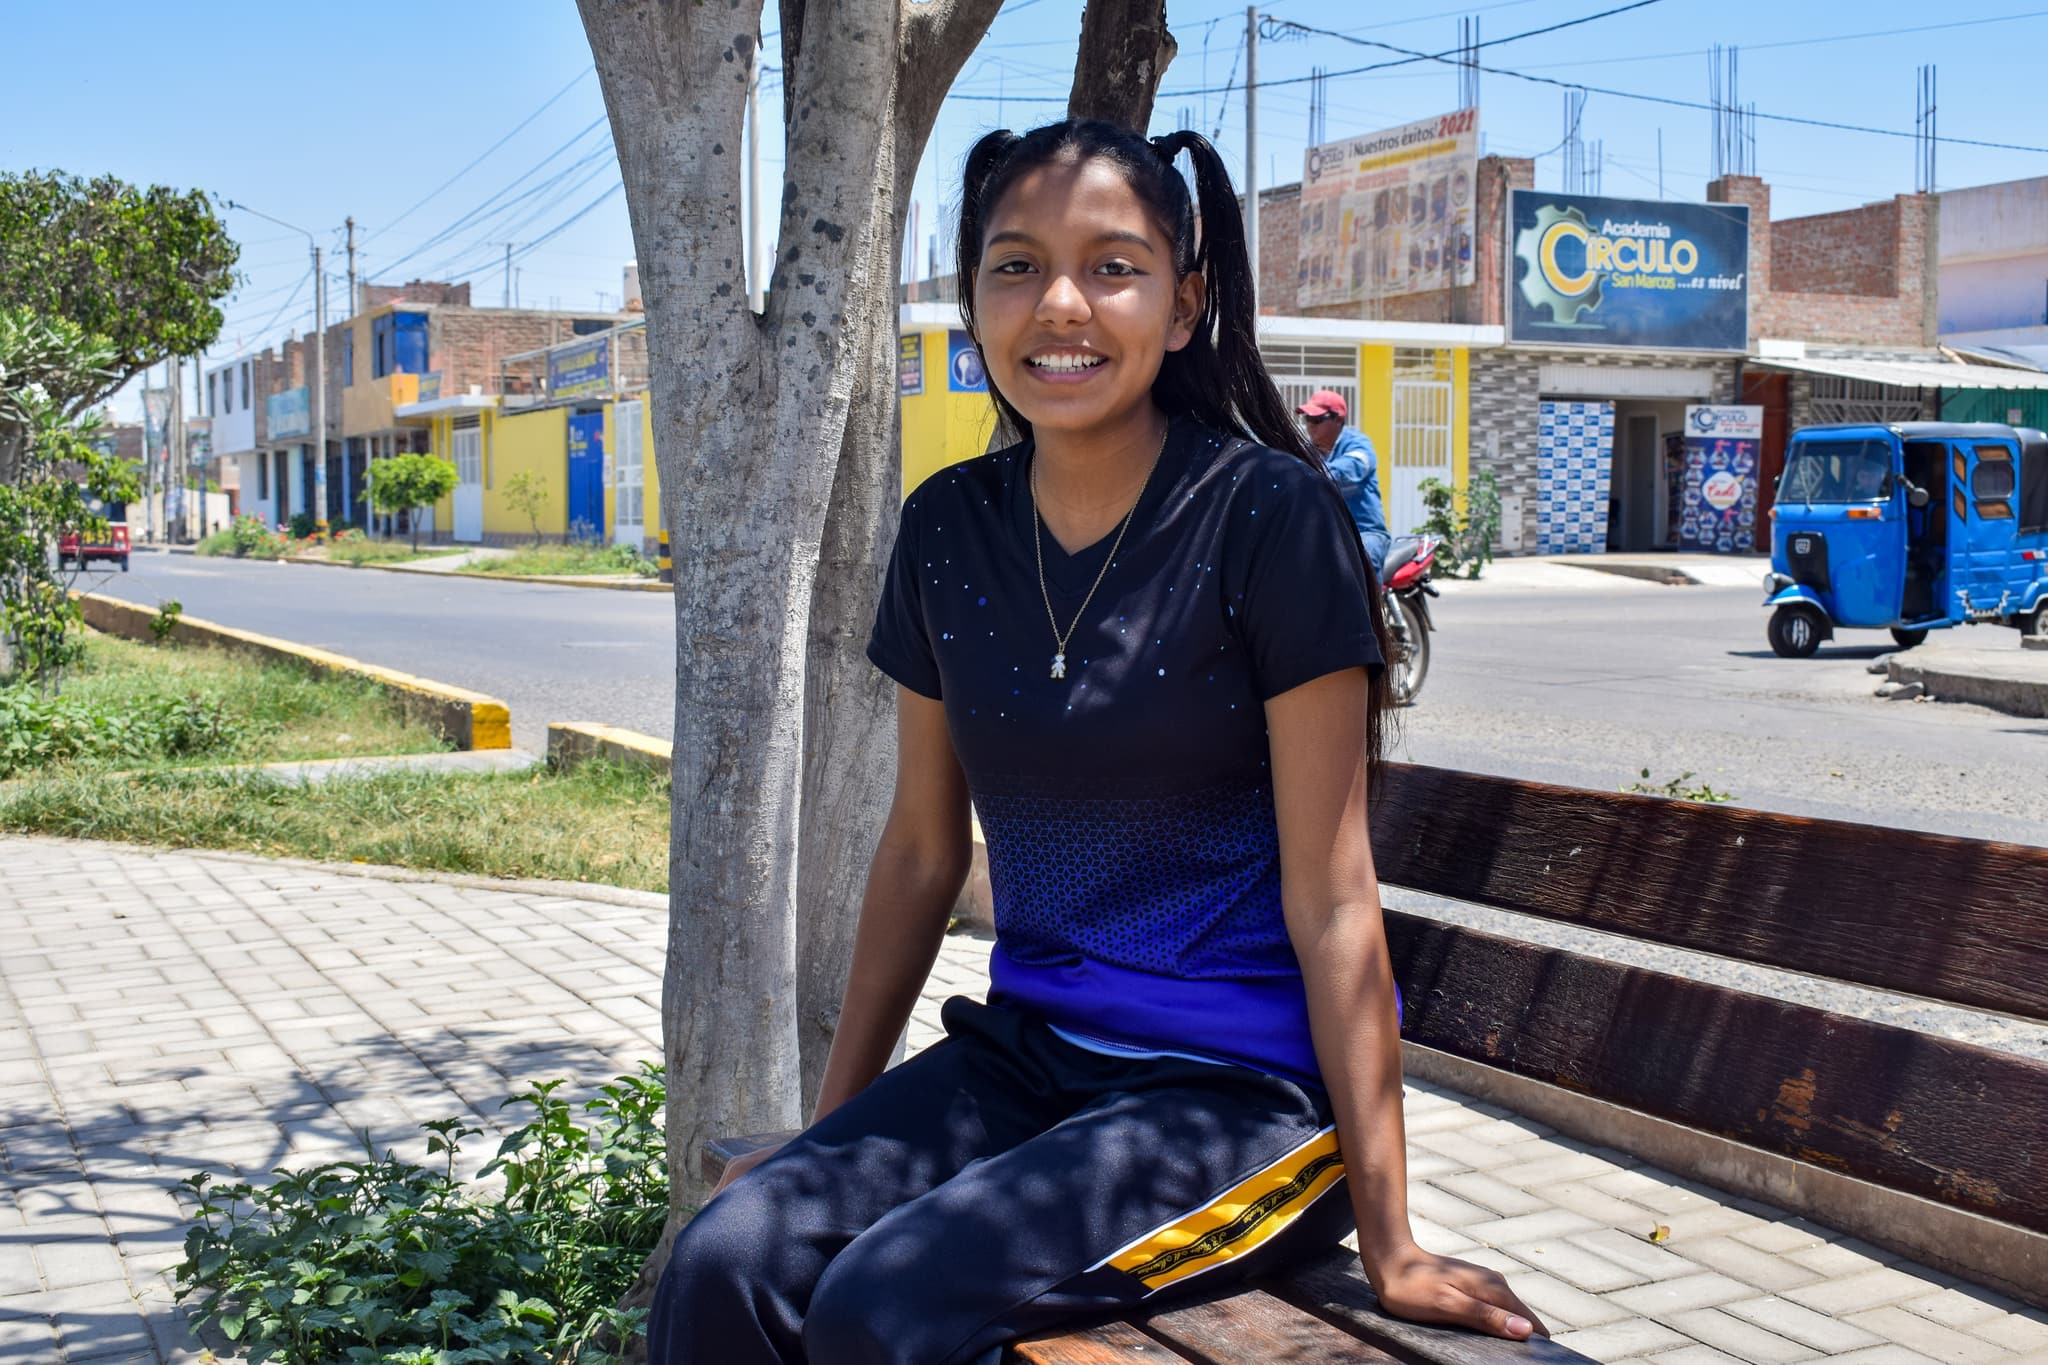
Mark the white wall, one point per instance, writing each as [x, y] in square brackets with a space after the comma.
[234, 422]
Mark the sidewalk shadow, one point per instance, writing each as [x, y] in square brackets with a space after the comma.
[110, 1176]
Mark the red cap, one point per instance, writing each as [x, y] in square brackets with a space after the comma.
[1324, 401]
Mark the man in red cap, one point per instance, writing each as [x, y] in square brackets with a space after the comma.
[1348, 456]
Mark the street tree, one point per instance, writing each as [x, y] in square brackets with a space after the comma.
[776, 435]
[407, 483]
[143, 268]
[58, 475]
[527, 493]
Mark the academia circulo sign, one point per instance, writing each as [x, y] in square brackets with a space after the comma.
[1591, 271]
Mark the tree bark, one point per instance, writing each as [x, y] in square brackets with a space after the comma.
[1125, 50]
[753, 417]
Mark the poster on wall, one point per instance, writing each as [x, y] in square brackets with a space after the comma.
[1574, 466]
[1717, 510]
[1646, 273]
[964, 373]
[1389, 213]
[581, 370]
[910, 365]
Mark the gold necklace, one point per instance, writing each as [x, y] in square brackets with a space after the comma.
[1059, 637]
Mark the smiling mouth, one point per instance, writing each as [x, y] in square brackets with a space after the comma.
[1066, 364]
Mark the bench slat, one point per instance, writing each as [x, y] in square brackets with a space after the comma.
[721, 1152]
[1252, 1327]
[1950, 1121]
[1334, 1286]
[1954, 919]
[1114, 1343]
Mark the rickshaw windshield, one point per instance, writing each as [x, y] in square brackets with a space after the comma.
[1836, 471]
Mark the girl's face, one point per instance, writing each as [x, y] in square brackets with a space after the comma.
[1076, 302]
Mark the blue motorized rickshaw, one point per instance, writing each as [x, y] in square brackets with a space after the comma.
[1911, 527]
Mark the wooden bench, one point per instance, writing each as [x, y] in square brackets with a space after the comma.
[1933, 1147]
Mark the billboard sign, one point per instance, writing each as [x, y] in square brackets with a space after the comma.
[1627, 273]
[580, 370]
[289, 413]
[1717, 511]
[1389, 213]
[910, 365]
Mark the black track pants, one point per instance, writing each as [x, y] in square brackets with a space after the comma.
[996, 1185]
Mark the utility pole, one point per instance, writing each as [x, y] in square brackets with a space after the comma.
[351, 266]
[176, 515]
[757, 287]
[319, 394]
[508, 274]
[1251, 146]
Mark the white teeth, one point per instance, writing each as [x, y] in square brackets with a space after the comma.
[1066, 363]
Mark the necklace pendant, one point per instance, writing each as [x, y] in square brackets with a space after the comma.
[1059, 665]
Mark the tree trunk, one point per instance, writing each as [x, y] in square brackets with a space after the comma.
[748, 508]
[1125, 50]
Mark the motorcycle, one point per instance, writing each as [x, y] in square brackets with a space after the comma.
[1404, 602]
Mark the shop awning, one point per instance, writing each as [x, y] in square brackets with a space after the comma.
[1910, 374]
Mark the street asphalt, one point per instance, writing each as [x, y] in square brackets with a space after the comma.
[1541, 671]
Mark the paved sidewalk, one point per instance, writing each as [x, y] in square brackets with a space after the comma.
[164, 1012]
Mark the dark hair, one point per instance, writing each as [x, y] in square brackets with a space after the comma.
[1219, 377]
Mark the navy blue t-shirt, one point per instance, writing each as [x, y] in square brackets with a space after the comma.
[1128, 807]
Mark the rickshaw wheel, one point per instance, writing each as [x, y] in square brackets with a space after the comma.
[1908, 638]
[2036, 622]
[1795, 632]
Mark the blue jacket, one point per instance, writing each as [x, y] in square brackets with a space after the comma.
[1355, 467]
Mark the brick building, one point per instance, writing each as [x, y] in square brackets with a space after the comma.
[1824, 294]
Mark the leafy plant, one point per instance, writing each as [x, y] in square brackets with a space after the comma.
[52, 479]
[526, 492]
[165, 623]
[253, 540]
[378, 1259]
[1677, 789]
[1467, 536]
[406, 483]
[38, 731]
[303, 526]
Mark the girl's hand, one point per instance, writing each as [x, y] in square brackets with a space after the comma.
[740, 1165]
[1422, 1287]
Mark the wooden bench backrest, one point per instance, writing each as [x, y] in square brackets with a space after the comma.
[1951, 919]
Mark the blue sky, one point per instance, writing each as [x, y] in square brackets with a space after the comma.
[313, 113]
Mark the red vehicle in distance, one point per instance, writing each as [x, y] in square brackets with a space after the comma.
[113, 546]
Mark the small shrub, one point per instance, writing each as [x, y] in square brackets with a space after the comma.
[253, 540]
[303, 526]
[41, 732]
[165, 622]
[221, 542]
[1467, 537]
[380, 1260]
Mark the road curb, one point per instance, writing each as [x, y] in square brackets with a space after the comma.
[2025, 697]
[467, 720]
[571, 742]
[564, 580]
[1649, 573]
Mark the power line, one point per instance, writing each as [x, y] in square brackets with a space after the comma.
[546, 104]
[1411, 55]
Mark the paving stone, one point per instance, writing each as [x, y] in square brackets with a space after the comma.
[1744, 1262]
[1694, 1355]
[2025, 1331]
[1530, 1227]
[1433, 1202]
[1562, 1307]
[1783, 1237]
[1843, 1257]
[1633, 1337]
[1829, 1335]
[1576, 1265]
[1663, 1298]
[1887, 1354]
[1863, 1289]
[1635, 1253]
[1740, 1338]
[1962, 1306]
[1928, 1337]
[1505, 1200]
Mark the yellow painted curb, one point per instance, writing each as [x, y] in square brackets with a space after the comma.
[468, 720]
[575, 741]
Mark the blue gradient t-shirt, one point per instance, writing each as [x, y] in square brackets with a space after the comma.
[1128, 807]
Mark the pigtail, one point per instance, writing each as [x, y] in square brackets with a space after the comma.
[1230, 319]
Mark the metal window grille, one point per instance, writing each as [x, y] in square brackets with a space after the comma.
[1860, 401]
[1299, 370]
[469, 455]
[1422, 433]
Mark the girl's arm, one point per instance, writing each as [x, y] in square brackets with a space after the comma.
[1331, 900]
[915, 877]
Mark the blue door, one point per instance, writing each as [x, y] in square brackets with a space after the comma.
[586, 475]
[1994, 572]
